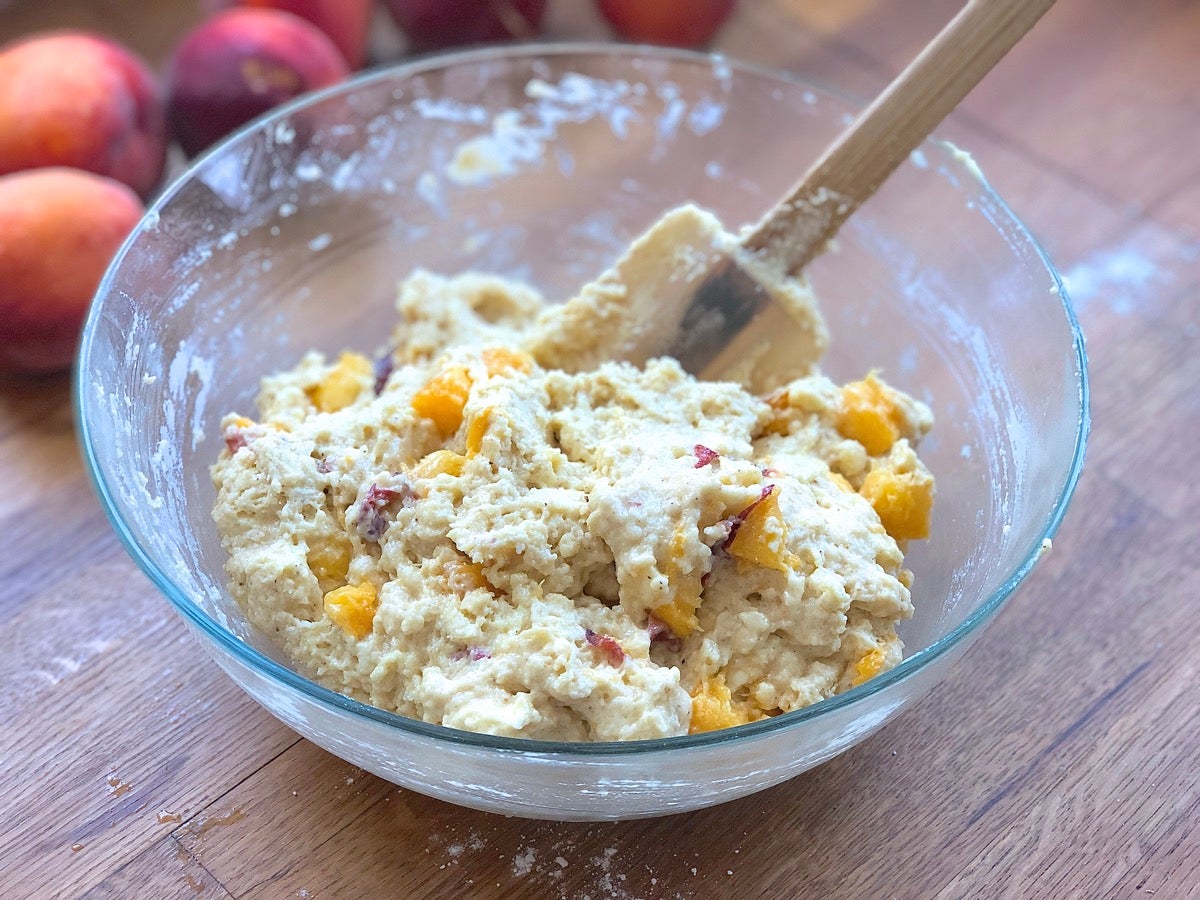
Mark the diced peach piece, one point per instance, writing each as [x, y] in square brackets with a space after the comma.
[59, 229]
[500, 359]
[241, 63]
[903, 501]
[713, 707]
[345, 381]
[870, 665]
[443, 397]
[679, 615]
[80, 100]
[352, 608]
[868, 415]
[476, 429]
[780, 420]
[331, 561]
[440, 462]
[465, 576]
[762, 536]
[686, 587]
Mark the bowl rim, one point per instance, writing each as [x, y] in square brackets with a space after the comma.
[269, 668]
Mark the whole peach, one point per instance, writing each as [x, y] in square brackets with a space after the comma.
[681, 23]
[59, 229]
[345, 22]
[238, 65]
[75, 99]
[434, 24]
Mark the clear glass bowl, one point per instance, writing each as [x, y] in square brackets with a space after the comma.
[294, 233]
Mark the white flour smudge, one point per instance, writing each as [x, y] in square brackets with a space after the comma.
[1119, 276]
[523, 862]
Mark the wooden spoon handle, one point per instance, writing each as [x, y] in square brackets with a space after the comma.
[882, 137]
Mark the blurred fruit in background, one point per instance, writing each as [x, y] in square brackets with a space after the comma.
[59, 228]
[433, 24]
[345, 22]
[241, 63]
[79, 100]
[681, 23]
[73, 99]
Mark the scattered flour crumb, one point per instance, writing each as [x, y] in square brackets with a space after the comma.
[562, 863]
[523, 862]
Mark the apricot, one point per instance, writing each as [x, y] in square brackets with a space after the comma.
[240, 64]
[59, 229]
[79, 100]
[345, 22]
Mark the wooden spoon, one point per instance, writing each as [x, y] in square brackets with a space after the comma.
[689, 290]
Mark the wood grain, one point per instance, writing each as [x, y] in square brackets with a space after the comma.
[1059, 759]
[907, 111]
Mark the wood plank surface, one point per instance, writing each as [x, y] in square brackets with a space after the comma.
[1060, 758]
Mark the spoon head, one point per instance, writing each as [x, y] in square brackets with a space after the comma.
[687, 289]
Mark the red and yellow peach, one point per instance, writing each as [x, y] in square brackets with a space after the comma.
[59, 229]
[79, 100]
[345, 22]
[238, 65]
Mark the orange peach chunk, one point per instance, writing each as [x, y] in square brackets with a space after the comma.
[903, 500]
[443, 397]
[870, 665]
[680, 614]
[352, 608]
[343, 384]
[713, 707]
[330, 561]
[762, 536]
[500, 359]
[464, 576]
[440, 462]
[476, 429]
[868, 415]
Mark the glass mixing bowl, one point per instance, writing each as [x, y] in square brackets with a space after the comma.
[293, 234]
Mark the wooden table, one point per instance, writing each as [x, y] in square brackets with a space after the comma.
[1060, 759]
